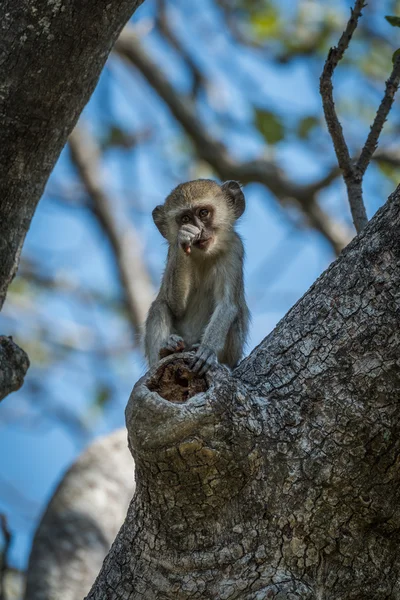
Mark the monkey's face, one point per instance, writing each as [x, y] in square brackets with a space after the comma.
[197, 222]
[201, 212]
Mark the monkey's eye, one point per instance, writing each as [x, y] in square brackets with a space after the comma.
[203, 213]
[185, 219]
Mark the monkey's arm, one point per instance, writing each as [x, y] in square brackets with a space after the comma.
[159, 341]
[170, 303]
[222, 318]
[215, 335]
[158, 329]
[176, 282]
[229, 296]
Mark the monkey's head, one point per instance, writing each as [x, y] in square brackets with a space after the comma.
[205, 204]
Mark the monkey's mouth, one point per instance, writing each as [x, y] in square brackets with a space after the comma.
[203, 243]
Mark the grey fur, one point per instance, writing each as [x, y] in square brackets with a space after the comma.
[201, 298]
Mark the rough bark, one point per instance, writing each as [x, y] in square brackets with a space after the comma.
[81, 521]
[51, 55]
[281, 480]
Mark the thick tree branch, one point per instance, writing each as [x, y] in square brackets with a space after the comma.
[217, 155]
[42, 97]
[286, 471]
[353, 173]
[14, 364]
[133, 274]
[81, 521]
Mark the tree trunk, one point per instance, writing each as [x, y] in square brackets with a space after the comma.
[281, 480]
[51, 56]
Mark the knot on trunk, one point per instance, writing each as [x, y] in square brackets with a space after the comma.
[14, 363]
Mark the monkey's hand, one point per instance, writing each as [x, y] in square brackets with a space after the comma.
[174, 343]
[205, 360]
[187, 236]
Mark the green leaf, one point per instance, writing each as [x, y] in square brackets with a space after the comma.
[395, 55]
[265, 23]
[395, 21]
[269, 125]
[306, 125]
[390, 171]
[117, 137]
[102, 397]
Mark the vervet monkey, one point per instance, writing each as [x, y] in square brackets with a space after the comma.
[201, 303]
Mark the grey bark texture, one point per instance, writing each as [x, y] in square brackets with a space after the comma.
[51, 56]
[281, 479]
[81, 521]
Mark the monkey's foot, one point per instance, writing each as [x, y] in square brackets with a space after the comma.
[173, 344]
[204, 360]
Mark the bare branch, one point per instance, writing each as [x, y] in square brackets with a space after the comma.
[123, 238]
[371, 144]
[216, 154]
[81, 521]
[353, 173]
[165, 29]
[353, 183]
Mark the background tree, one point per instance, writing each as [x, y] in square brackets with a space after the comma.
[241, 103]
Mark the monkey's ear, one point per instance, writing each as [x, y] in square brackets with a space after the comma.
[160, 220]
[233, 191]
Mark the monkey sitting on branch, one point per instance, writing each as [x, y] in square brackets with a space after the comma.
[201, 303]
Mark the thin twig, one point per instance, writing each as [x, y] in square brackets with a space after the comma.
[353, 173]
[371, 144]
[352, 182]
[217, 155]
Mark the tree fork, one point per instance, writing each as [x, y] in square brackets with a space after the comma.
[282, 478]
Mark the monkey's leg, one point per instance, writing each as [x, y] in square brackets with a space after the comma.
[235, 340]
